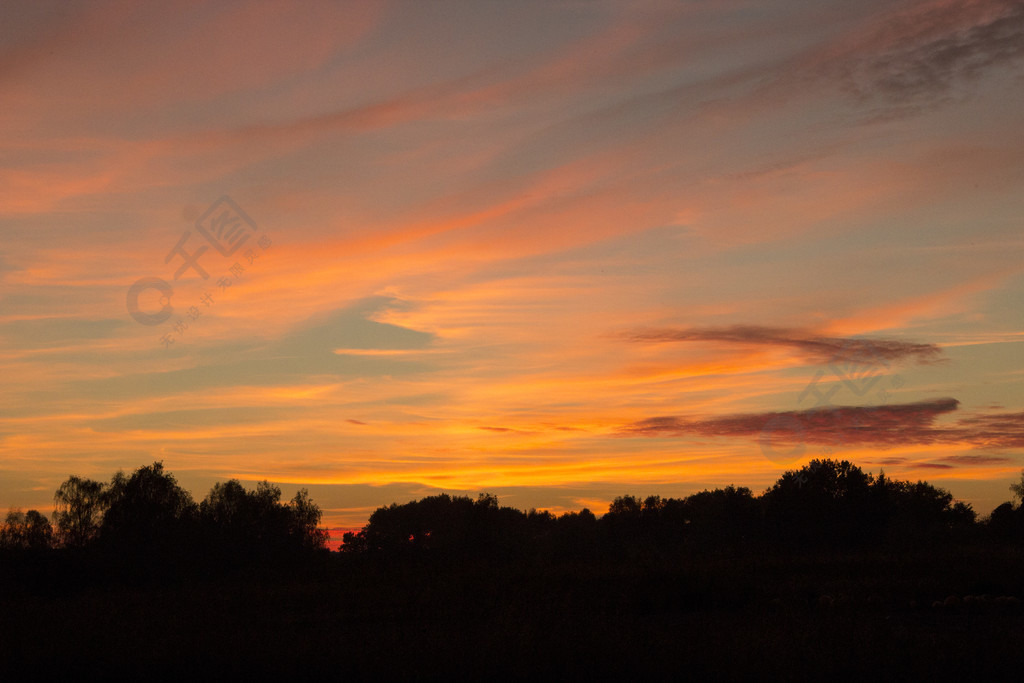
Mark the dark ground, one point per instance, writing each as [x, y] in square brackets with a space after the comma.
[788, 617]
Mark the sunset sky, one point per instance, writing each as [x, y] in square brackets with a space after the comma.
[555, 251]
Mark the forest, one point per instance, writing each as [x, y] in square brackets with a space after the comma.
[830, 571]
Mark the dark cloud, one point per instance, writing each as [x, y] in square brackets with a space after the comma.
[506, 430]
[355, 422]
[1004, 430]
[891, 461]
[837, 424]
[886, 425]
[817, 349]
[978, 459]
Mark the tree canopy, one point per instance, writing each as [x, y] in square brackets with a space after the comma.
[148, 510]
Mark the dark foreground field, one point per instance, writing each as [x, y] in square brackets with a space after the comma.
[347, 617]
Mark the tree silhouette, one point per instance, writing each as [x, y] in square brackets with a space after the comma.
[241, 518]
[26, 530]
[1018, 488]
[917, 512]
[623, 521]
[1006, 522]
[826, 502]
[305, 519]
[729, 516]
[256, 522]
[79, 505]
[442, 523]
[148, 507]
[628, 507]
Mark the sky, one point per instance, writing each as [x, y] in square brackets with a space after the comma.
[555, 251]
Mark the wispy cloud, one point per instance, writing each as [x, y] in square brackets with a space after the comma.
[814, 349]
[919, 55]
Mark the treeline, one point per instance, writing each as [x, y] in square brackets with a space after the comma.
[824, 505]
[148, 523]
